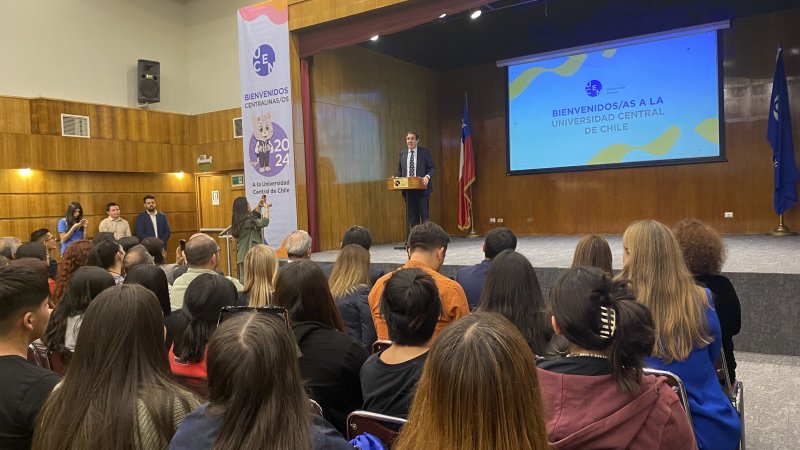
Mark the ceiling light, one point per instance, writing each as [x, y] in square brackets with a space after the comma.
[374, 38]
[475, 14]
[794, 51]
[443, 15]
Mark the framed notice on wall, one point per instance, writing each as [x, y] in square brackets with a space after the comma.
[237, 180]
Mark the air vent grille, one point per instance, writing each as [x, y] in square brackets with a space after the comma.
[237, 127]
[74, 126]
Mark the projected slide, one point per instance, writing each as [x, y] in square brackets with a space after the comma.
[646, 103]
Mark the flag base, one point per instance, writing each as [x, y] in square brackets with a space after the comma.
[472, 234]
[781, 229]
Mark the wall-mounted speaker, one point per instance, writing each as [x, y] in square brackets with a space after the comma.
[148, 76]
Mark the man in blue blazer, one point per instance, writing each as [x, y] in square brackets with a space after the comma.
[416, 162]
[472, 278]
[151, 223]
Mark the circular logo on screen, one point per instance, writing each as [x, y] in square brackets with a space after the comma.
[269, 148]
[264, 60]
[593, 88]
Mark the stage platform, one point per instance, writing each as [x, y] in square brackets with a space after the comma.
[765, 271]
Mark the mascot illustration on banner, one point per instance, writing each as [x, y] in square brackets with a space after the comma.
[262, 132]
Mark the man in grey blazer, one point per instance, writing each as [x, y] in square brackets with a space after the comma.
[416, 161]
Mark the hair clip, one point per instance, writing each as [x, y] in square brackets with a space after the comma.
[608, 317]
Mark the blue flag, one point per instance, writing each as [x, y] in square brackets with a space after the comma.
[779, 133]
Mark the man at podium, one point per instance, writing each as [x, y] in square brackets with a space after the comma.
[416, 162]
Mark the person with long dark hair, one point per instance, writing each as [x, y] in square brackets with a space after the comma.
[72, 227]
[247, 227]
[65, 321]
[117, 392]
[108, 255]
[609, 335]
[478, 391]
[255, 390]
[512, 289]
[154, 279]
[194, 324]
[688, 337]
[330, 359]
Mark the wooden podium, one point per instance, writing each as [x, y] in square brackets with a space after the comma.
[404, 183]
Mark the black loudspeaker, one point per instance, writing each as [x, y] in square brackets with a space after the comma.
[148, 76]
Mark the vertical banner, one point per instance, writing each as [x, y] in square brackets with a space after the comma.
[267, 113]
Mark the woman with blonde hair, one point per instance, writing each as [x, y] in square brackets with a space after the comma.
[349, 282]
[478, 391]
[593, 251]
[687, 330]
[260, 270]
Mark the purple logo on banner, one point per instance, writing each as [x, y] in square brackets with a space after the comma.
[264, 60]
[593, 88]
[269, 147]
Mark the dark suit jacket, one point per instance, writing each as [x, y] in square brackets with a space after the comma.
[424, 166]
[144, 227]
[472, 279]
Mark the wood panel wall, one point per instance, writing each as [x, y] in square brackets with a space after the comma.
[305, 13]
[606, 201]
[363, 104]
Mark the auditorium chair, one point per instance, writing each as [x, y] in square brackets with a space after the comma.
[58, 362]
[197, 385]
[677, 385]
[37, 355]
[315, 407]
[385, 428]
[734, 389]
[380, 345]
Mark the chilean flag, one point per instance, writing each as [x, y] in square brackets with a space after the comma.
[466, 173]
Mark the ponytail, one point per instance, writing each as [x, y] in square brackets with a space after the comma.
[633, 339]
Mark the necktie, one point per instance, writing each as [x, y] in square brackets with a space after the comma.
[412, 166]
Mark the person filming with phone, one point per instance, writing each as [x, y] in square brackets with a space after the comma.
[72, 227]
[247, 226]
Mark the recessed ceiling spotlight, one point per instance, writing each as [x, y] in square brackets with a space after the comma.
[794, 51]
[443, 15]
[475, 14]
[375, 38]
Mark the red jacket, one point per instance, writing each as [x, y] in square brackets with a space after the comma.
[589, 412]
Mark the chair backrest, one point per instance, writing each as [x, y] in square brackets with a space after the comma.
[677, 385]
[35, 357]
[380, 345]
[385, 428]
[59, 362]
[197, 385]
[315, 407]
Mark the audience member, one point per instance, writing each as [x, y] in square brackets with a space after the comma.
[3, 262]
[687, 332]
[357, 235]
[298, 245]
[75, 257]
[103, 236]
[593, 251]
[136, 256]
[478, 391]
[129, 242]
[44, 236]
[704, 254]
[260, 270]
[62, 330]
[156, 249]
[411, 307]
[512, 289]
[609, 334]
[32, 250]
[72, 227]
[426, 247]
[248, 228]
[151, 223]
[37, 265]
[118, 392]
[202, 255]
[349, 282]
[153, 279]
[25, 387]
[108, 255]
[330, 359]
[114, 223]
[255, 390]
[8, 246]
[193, 325]
[473, 278]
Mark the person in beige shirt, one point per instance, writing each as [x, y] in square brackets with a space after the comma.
[114, 223]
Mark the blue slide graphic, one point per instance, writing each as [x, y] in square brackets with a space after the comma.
[641, 102]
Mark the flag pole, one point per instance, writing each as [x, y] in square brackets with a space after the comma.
[472, 234]
[782, 230]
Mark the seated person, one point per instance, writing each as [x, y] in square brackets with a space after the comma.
[257, 395]
[117, 393]
[593, 251]
[25, 387]
[349, 282]
[356, 235]
[192, 326]
[597, 397]
[411, 307]
[472, 278]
